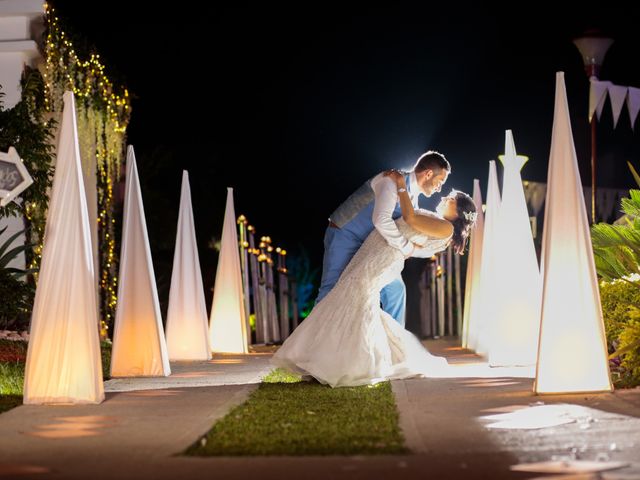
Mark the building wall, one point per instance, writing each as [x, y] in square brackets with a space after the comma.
[21, 24]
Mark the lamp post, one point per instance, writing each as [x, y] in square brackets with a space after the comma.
[593, 47]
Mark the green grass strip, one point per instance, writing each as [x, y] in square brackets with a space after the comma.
[11, 381]
[286, 416]
[279, 375]
[11, 378]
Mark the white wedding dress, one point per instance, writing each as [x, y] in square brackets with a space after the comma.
[347, 339]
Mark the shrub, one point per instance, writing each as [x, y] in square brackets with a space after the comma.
[620, 301]
[17, 299]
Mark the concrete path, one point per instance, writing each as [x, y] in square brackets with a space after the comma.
[443, 418]
[221, 370]
[144, 424]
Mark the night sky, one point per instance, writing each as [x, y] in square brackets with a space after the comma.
[296, 107]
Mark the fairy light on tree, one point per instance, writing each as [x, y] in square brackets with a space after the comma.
[103, 115]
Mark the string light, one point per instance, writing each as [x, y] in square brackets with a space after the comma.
[108, 110]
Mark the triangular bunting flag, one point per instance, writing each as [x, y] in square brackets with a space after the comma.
[633, 104]
[617, 94]
[597, 97]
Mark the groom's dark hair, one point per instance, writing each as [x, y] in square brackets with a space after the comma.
[432, 160]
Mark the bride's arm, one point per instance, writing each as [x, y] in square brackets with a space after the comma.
[434, 227]
[427, 225]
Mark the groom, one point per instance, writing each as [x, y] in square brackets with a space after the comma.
[375, 204]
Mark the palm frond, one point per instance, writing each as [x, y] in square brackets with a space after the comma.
[634, 173]
[9, 241]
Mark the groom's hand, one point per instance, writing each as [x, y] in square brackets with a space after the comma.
[396, 176]
[391, 171]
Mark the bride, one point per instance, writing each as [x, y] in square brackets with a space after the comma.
[347, 339]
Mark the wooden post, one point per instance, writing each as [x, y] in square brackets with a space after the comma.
[283, 293]
[434, 297]
[441, 297]
[294, 304]
[244, 266]
[593, 169]
[264, 296]
[458, 295]
[449, 276]
[425, 301]
[272, 312]
[256, 283]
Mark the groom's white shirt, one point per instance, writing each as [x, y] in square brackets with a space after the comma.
[386, 193]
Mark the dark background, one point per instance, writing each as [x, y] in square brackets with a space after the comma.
[295, 107]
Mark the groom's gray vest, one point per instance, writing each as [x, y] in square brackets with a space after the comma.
[354, 215]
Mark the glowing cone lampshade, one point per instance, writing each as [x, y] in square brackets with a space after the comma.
[187, 336]
[572, 353]
[227, 327]
[471, 291]
[139, 347]
[516, 326]
[482, 311]
[63, 358]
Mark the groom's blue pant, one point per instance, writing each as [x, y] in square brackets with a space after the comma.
[339, 248]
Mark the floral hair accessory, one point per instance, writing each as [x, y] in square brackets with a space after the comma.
[471, 216]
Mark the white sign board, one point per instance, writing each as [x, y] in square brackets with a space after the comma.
[14, 178]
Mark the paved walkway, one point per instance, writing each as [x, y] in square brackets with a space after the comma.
[143, 425]
[445, 420]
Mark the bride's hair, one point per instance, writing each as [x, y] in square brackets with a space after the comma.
[466, 209]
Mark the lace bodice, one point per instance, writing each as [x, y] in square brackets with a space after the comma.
[418, 238]
[376, 263]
